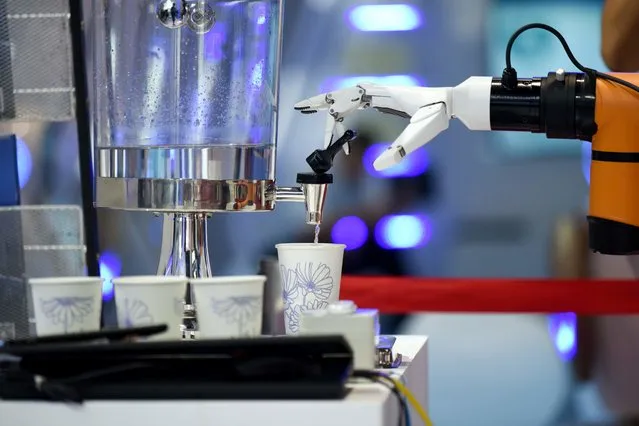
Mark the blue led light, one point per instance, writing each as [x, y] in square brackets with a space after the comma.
[413, 165]
[384, 17]
[563, 331]
[351, 231]
[110, 267]
[260, 12]
[586, 155]
[25, 162]
[402, 232]
[343, 82]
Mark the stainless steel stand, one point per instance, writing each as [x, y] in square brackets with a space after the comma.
[188, 256]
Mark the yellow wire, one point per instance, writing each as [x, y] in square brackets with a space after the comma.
[403, 389]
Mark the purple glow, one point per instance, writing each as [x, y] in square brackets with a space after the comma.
[563, 331]
[413, 165]
[400, 232]
[586, 155]
[351, 231]
[25, 162]
[215, 40]
[260, 13]
[110, 267]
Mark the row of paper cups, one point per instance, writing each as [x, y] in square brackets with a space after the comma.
[229, 306]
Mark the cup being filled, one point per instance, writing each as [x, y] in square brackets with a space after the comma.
[151, 300]
[229, 307]
[311, 275]
[65, 305]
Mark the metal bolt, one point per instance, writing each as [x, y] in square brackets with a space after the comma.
[560, 74]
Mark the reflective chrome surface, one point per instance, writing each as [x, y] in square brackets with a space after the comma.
[173, 195]
[189, 257]
[293, 194]
[312, 195]
[191, 179]
[245, 162]
[314, 199]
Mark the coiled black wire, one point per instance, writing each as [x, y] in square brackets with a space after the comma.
[510, 74]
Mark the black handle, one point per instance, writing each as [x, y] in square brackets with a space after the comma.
[321, 160]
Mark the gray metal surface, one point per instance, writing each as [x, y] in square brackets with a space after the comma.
[36, 71]
[189, 257]
[35, 242]
[14, 316]
[273, 309]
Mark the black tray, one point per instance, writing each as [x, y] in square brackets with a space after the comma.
[309, 367]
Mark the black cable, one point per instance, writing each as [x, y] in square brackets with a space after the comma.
[510, 74]
[404, 413]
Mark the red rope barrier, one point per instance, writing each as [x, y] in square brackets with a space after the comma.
[395, 295]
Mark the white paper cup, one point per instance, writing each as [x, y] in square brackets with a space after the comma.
[151, 300]
[311, 275]
[229, 306]
[64, 305]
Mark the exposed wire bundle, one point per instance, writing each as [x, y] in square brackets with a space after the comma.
[401, 391]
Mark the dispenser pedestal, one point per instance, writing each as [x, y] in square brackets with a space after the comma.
[366, 404]
[188, 255]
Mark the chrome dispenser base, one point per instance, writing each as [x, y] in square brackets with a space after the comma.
[189, 256]
[185, 195]
[186, 179]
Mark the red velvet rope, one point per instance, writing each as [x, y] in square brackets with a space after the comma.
[399, 295]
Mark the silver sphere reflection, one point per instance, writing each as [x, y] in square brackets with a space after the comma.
[172, 13]
[201, 18]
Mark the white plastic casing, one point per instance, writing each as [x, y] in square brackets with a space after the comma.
[358, 326]
[471, 103]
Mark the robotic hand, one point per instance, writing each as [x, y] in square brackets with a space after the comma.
[429, 111]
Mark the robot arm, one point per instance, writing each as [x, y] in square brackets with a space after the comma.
[595, 108]
[589, 106]
[429, 111]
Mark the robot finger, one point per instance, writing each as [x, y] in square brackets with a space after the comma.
[313, 104]
[330, 131]
[427, 123]
[339, 131]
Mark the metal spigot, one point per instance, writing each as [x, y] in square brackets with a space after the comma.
[312, 192]
[314, 186]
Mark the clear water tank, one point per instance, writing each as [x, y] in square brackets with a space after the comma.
[185, 97]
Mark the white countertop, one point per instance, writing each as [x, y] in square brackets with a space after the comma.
[366, 405]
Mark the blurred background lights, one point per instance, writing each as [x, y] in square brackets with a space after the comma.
[110, 267]
[413, 165]
[397, 232]
[25, 162]
[351, 231]
[586, 155]
[260, 12]
[384, 17]
[563, 331]
[337, 83]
